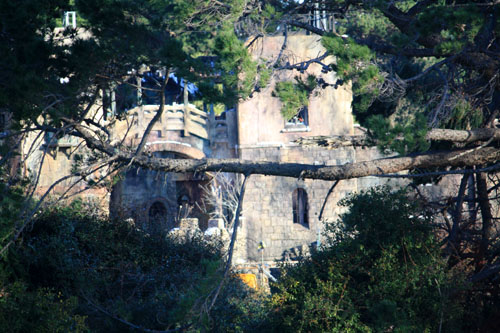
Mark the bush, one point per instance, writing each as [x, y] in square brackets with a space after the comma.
[382, 272]
[98, 267]
[22, 310]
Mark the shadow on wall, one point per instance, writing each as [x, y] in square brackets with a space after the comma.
[157, 201]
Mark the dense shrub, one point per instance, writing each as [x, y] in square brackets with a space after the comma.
[381, 271]
[42, 310]
[75, 264]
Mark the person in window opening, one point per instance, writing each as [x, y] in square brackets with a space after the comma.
[301, 117]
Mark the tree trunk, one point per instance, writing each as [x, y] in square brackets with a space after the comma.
[453, 247]
[487, 220]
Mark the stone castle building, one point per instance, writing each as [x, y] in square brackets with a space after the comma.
[281, 213]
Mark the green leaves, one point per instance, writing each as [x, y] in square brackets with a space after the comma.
[155, 282]
[403, 39]
[22, 310]
[456, 26]
[350, 55]
[238, 70]
[382, 272]
[294, 96]
[395, 219]
[402, 138]
[465, 116]
[354, 62]
[114, 38]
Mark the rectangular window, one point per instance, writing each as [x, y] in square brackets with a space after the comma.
[300, 119]
[299, 122]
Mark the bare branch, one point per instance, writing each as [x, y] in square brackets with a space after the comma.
[307, 27]
[427, 70]
[351, 170]
[326, 199]
[283, 46]
[487, 220]
[304, 65]
[231, 245]
[435, 134]
[157, 116]
[254, 40]
[27, 218]
[222, 197]
[457, 215]
[467, 171]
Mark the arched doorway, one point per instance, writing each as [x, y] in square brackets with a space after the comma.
[157, 218]
[151, 197]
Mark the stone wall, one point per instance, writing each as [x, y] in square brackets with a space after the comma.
[329, 109]
[267, 205]
[157, 201]
[264, 135]
[47, 161]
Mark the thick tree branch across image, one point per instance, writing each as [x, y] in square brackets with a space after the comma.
[454, 158]
[381, 167]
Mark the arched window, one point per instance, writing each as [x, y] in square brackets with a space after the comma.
[157, 217]
[300, 207]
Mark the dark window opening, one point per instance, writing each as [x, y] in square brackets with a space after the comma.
[300, 119]
[157, 216]
[300, 207]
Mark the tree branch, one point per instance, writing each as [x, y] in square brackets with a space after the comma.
[457, 216]
[307, 27]
[453, 158]
[304, 65]
[326, 199]
[487, 220]
[158, 114]
[435, 134]
[295, 170]
[134, 326]
[27, 218]
[233, 241]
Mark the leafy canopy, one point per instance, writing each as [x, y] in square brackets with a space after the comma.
[410, 61]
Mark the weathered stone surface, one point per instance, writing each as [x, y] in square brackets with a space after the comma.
[268, 200]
